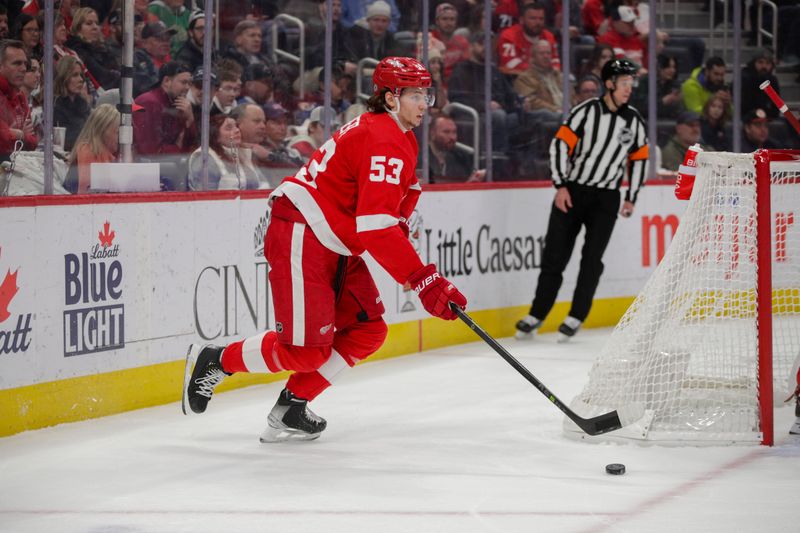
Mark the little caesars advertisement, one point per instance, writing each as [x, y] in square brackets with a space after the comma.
[104, 286]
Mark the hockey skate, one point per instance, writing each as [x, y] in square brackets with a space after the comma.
[291, 419]
[568, 329]
[795, 430]
[526, 328]
[202, 374]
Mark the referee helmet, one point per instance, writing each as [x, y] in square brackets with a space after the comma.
[618, 67]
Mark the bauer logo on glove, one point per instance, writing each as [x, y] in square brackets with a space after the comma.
[436, 293]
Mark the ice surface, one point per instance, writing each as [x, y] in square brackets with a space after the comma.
[451, 440]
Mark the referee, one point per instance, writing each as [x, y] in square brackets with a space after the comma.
[602, 142]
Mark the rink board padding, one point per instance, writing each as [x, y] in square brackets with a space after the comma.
[101, 295]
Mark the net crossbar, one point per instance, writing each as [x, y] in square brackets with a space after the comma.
[687, 349]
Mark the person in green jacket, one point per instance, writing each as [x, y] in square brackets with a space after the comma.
[705, 82]
[175, 16]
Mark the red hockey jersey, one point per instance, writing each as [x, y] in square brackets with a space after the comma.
[514, 49]
[355, 189]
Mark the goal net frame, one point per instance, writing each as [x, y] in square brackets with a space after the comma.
[664, 374]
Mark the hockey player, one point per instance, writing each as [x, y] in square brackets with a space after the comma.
[353, 196]
[602, 141]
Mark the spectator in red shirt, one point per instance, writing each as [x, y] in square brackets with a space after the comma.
[593, 14]
[15, 121]
[456, 46]
[506, 13]
[623, 37]
[166, 123]
[514, 44]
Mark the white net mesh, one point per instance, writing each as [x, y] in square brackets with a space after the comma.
[687, 347]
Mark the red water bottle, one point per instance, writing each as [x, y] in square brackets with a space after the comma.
[686, 173]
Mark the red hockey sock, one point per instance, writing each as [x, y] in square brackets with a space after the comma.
[253, 354]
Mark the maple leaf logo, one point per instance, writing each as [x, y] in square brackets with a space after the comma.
[8, 289]
[106, 237]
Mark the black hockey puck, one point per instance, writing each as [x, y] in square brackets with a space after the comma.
[616, 469]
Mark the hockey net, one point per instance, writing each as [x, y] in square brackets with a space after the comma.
[694, 350]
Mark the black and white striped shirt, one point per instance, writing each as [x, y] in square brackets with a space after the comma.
[595, 147]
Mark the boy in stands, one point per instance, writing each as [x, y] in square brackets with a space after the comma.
[354, 195]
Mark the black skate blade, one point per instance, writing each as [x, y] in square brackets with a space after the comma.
[191, 360]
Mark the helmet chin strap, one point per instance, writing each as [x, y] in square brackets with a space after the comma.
[395, 113]
[612, 91]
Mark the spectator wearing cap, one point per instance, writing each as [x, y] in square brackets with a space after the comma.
[687, 133]
[356, 12]
[308, 142]
[756, 131]
[514, 43]
[148, 59]
[714, 122]
[456, 47]
[704, 82]
[230, 85]
[695, 46]
[15, 121]
[623, 37]
[191, 52]
[466, 87]
[195, 94]
[759, 69]
[166, 123]
[281, 160]
[375, 41]
[175, 16]
[87, 41]
[257, 86]
[315, 38]
[540, 85]
[71, 107]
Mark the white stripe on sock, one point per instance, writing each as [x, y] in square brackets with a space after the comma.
[252, 357]
[333, 367]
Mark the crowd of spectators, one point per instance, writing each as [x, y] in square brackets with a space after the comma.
[267, 116]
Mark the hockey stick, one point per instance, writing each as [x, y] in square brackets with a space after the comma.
[780, 104]
[592, 426]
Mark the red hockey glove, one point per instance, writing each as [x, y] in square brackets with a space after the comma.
[436, 292]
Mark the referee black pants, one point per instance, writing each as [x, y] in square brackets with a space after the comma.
[596, 209]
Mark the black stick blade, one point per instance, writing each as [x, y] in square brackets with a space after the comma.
[599, 424]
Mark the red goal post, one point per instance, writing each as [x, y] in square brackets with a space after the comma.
[707, 347]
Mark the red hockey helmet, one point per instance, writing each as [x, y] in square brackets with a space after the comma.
[398, 72]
